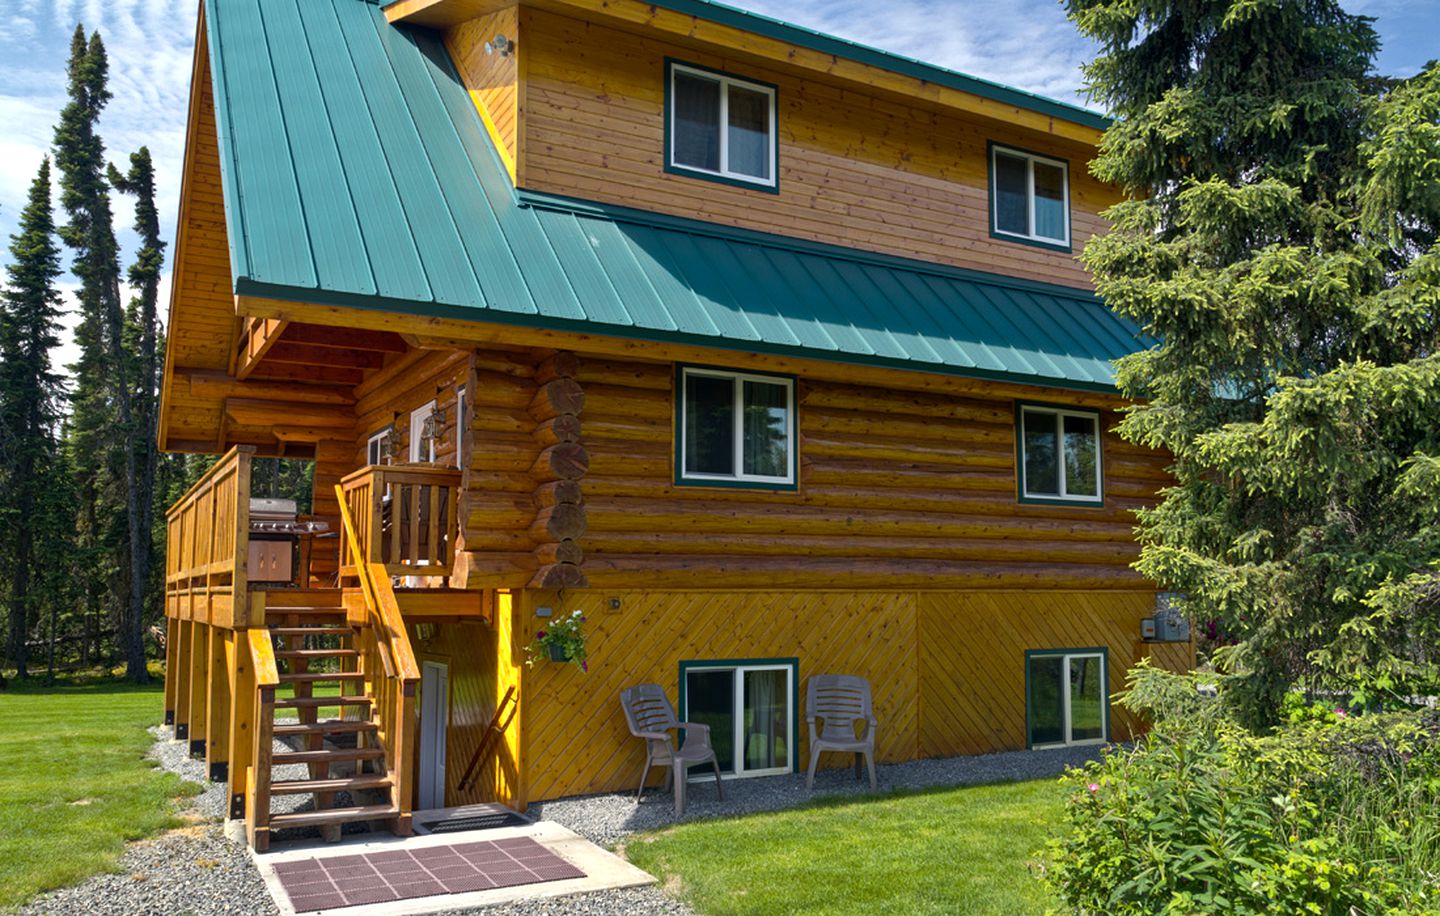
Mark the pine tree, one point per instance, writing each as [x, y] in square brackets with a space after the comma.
[1295, 377]
[29, 397]
[90, 233]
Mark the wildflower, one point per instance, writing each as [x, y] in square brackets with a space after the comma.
[1094, 787]
[1341, 712]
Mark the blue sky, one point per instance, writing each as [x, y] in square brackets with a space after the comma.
[1023, 43]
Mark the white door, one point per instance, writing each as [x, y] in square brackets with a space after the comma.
[434, 718]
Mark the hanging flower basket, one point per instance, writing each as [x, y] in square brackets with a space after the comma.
[562, 641]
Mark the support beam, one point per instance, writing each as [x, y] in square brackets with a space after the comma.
[199, 685]
[218, 704]
[172, 666]
[182, 679]
[259, 336]
[212, 384]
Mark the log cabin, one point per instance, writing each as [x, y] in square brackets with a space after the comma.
[767, 352]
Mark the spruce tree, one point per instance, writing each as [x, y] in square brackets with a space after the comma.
[90, 233]
[29, 400]
[1276, 250]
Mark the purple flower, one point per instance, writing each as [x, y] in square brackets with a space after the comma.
[585, 666]
[1094, 787]
[1340, 712]
[540, 635]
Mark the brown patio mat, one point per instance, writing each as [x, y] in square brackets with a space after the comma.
[379, 877]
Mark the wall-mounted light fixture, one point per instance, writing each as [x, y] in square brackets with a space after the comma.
[499, 43]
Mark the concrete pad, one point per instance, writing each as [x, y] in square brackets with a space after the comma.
[603, 870]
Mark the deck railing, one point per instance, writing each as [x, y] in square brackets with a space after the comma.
[404, 519]
[208, 544]
[387, 661]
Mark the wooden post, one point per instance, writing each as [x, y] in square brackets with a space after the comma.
[404, 758]
[217, 713]
[199, 685]
[182, 679]
[257, 803]
[242, 724]
[172, 665]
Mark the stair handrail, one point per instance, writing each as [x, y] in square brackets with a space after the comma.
[257, 781]
[397, 659]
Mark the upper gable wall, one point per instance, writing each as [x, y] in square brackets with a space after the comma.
[856, 168]
[490, 78]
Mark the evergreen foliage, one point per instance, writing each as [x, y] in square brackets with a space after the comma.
[1279, 247]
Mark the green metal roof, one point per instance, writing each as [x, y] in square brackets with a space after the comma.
[357, 172]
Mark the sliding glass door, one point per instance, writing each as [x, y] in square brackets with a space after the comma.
[1065, 697]
[750, 708]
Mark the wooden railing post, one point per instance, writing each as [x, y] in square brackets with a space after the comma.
[267, 678]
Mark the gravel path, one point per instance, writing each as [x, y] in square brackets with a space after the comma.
[197, 870]
[606, 819]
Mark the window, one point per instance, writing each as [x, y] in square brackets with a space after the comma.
[422, 440]
[1059, 454]
[1029, 197]
[720, 127]
[736, 428]
[750, 707]
[462, 417]
[1065, 697]
[377, 447]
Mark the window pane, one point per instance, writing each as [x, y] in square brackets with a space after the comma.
[766, 715]
[749, 139]
[766, 437]
[709, 425]
[696, 122]
[1011, 192]
[1047, 699]
[1049, 201]
[1042, 458]
[1081, 455]
[710, 700]
[1086, 699]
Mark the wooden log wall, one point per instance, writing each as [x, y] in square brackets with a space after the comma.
[407, 382]
[898, 489]
[946, 668]
[856, 168]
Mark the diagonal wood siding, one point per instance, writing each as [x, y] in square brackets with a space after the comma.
[947, 668]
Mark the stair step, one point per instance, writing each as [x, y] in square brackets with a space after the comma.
[330, 755]
[349, 784]
[311, 631]
[317, 653]
[316, 702]
[333, 816]
[315, 677]
[332, 727]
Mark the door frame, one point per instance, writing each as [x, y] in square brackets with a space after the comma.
[1101, 652]
[791, 666]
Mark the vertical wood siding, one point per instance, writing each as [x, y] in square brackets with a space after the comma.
[856, 168]
[492, 79]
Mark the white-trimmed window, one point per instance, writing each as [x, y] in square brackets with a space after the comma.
[462, 417]
[1029, 197]
[1059, 454]
[751, 709]
[735, 427]
[720, 126]
[1065, 697]
[422, 447]
[377, 447]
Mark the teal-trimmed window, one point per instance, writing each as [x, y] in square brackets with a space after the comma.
[1029, 197]
[1066, 699]
[720, 126]
[752, 708]
[1058, 454]
[735, 428]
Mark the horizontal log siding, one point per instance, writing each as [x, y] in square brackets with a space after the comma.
[856, 168]
[898, 489]
[946, 668]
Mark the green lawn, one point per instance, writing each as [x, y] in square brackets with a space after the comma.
[74, 782]
[954, 851]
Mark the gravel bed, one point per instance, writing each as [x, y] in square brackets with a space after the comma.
[198, 870]
[606, 819]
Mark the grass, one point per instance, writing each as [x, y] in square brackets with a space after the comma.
[953, 851]
[74, 781]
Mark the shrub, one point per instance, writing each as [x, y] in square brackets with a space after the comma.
[1330, 814]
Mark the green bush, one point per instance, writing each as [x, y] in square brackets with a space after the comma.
[1331, 813]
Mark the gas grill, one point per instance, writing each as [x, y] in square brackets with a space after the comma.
[275, 529]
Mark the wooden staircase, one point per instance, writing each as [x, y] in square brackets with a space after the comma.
[332, 722]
